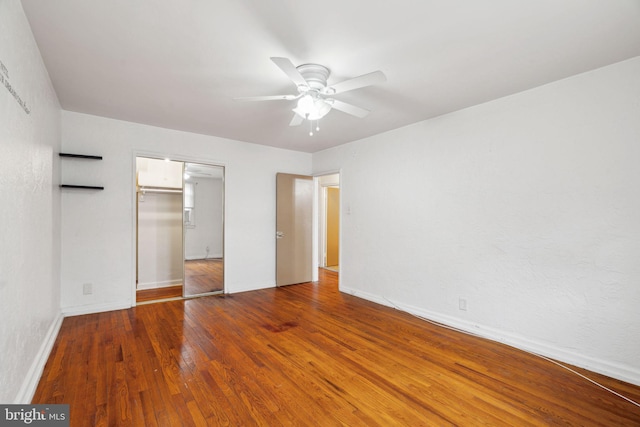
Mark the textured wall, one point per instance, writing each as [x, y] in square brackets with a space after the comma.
[29, 206]
[526, 207]
[98, 227]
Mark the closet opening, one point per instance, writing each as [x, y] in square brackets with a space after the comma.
[179, 229]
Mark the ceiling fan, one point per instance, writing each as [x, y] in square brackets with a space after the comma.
[314, 94]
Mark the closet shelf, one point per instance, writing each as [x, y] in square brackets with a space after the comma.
[88, 187]
[80, 156]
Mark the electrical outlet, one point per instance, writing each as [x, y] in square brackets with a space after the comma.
[87, 289]
[462, 304]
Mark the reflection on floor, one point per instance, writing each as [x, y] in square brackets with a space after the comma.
[203, 275]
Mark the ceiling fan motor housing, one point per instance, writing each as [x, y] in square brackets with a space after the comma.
[316, 75]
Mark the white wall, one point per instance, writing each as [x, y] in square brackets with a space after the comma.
[29, 209]
[98, 227]
[160, 255]
[527, 207]
[208, 220]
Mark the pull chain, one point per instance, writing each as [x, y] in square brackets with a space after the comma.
[311, 127]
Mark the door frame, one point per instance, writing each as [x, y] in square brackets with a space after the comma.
[319, 220]
[134, 200]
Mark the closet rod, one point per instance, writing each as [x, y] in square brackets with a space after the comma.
[158, 190]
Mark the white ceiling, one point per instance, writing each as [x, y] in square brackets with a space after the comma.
[178, 63]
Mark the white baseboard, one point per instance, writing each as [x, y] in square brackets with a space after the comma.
[604, 367]
[237, 288]
[203, 256]
[155, 285]
[94, 308]
[30, 383]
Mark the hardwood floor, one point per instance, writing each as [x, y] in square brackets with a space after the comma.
[203, 275]
[307, 355]
[200, 276]
[145, 295]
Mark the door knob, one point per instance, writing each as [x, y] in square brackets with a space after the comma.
[279, 234]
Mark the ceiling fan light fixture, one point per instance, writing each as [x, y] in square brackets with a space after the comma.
[314, 98]
[321, 109]
[311, 108]
[306, 105]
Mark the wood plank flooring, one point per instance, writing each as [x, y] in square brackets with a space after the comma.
[145, 295]
[307, 355]
[203, 275]
[200, 276]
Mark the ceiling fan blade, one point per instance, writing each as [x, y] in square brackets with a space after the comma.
[296, 120]
[290, 70]
[356, 83]
[266, 98]
[348, 108]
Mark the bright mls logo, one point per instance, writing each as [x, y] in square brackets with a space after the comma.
[35, 415]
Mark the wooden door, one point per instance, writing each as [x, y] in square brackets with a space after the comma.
[333, 227]
[294, 198]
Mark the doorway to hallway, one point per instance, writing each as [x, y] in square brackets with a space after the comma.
[329, 222]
